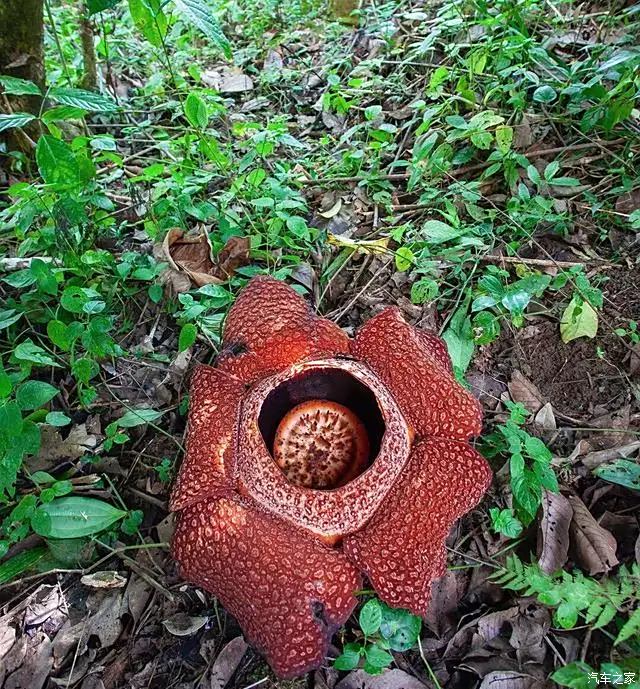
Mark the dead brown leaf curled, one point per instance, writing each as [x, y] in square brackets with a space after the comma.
[594, 546]
[192, 255]
[554, 531]
[524, 391]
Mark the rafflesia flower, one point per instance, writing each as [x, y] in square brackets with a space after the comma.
[314, 459]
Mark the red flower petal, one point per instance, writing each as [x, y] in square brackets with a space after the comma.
[402, 549]
[288, 592]
[412, 366]
[214, 408]
[270, 327]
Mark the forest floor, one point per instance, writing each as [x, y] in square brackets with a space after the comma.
[475, 164]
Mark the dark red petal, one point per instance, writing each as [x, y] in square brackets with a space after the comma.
[214, 408]
[270, 327]
[402, 548]
[288, 592]
[412, 367]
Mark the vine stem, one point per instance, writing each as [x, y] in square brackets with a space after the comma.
[56, 38]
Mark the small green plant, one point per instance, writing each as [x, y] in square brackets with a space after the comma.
[529, 467]
[573, 595]
[384, 629]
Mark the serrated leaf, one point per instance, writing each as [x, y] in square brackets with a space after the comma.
[74, 517]
[15, 120]
[56, 161]
[85, 100]
[630, 628]
[13, 86]
[202, 17]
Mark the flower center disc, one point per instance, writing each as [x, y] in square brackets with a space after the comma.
[321, 444]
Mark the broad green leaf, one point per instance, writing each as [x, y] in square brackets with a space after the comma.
[575, 675]
[13, 86]
[62, 113]
[630, 628]
[195, 110]
[9, 317]
[370, 617]
[545, 94]
[437, 232]
[399, 628]
[30, 351]
[377, 656]
[137, 417]
[624, 472]
[201, 16]
[85, 100]
[16, 119]
[74, 517]
[349, 658]
[578, 320]
[56, 161]
[150, 19]
[187, 337]
[34, 394]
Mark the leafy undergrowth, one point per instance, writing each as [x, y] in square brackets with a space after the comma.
[473, 163]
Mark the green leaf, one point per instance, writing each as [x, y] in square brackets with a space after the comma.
[405, 258]
[13, 86]
[437, 232]
[15, 120]
[624, 472]
[30, 351]
[424, 290]
[138, 417]
[575, 675]
[544, 94]
[196, 112]
[349, 658]
[35, 394]
[630, 628]
[9, 317]
[370, 617]
[187, 337]
[505, 523]
[459, 339]
[21, 563]
[150, 20]
[399, 628]
[578, 320]
[86, 100]
[57, 418]
[377, 656]
[74, 517]
[504, 138]
[95, 6]
[56, 161]
[201, 16]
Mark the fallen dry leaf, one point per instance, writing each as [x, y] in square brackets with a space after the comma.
[554, 531]
[36, 666]
[104, 580]
[389, 679]
[227, 663]
[545, 418]
[506, 679]
[594, 546]
[524, 391]
[594, 459]
[192, 255]
[182, 624]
